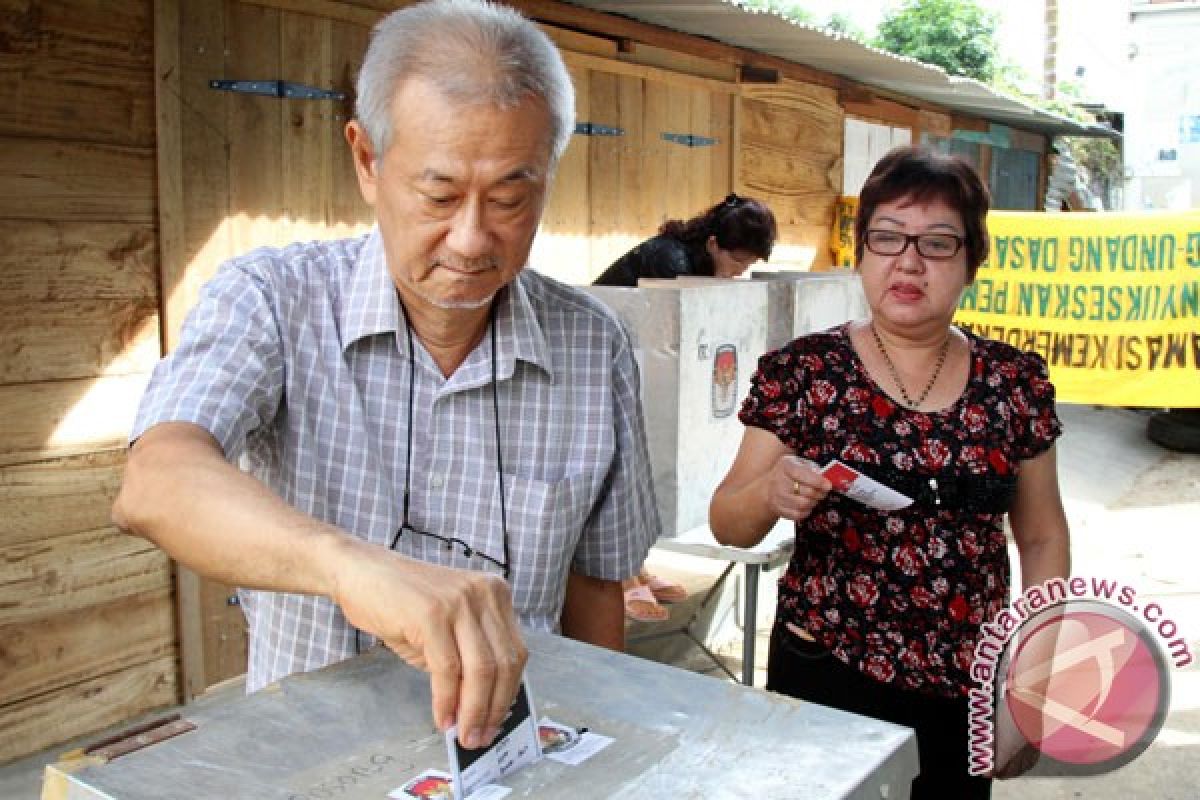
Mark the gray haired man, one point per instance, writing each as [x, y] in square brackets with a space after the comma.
[436, 446]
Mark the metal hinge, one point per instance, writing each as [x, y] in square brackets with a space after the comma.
[596, 129]
[690, 139]
[284, 89]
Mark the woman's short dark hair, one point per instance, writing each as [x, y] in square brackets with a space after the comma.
[739, 223]
[920, 175]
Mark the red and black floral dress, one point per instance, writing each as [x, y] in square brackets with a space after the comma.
[901, 595]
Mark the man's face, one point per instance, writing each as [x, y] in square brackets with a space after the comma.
[458, 194]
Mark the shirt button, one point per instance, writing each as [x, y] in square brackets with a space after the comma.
[436, 481]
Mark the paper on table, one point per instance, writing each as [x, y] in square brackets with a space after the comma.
[515, 746]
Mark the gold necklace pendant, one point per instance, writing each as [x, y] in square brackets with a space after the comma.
[937, 370]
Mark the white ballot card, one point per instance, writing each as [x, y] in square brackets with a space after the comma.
[515, 746]
[569, 745]
[867, 491]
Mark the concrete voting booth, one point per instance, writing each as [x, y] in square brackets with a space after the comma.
[362, 728]
[698, 341]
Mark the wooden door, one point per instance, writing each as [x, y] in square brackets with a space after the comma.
[239, 171]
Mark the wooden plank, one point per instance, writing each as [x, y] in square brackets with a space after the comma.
[703, 194]
[631, 227]
[43, 577]
[104, 33]
[64, 339]
[721, 160]
[817, 129]
[349, 213]
[52, 498]
[574, 41]
[797, 95]
[59, 99]
[255, 131]
[934, 124]
[204, 145]
[561, 248]
[679, 157]
[357, 12]
[58, 180]
[306, 145]
[604, 173]
[38, 722]
[787, 172]
[67, 418]
[168, 120]
[600, 64]
[653, 200]
[677, 62]
[58, 260]
[62, 649]
[227, 638]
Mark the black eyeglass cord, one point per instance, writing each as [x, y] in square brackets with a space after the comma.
[450, 541]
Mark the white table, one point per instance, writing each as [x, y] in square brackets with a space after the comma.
[775, 549]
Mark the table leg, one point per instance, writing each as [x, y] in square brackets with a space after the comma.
[750, 624]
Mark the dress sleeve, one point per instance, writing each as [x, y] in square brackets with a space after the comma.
[775, 402]
[1035, 423]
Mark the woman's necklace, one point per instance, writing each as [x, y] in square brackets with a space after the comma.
[937, 370]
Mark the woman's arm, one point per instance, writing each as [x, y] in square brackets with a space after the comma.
[766, 482]
[1039, 524]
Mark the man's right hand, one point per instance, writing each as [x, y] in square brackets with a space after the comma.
[458, 625]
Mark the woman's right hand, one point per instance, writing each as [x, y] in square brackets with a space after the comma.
[794, 487]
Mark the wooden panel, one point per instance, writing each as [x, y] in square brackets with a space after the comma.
[308, 129]
[105, 33]
[65, 648]
[59, 99]
[51, 498]
[75, 181]
[604, 172]
[67, 418]
[203, 143]
[340, 10]
[632, 227]
[655, 187]
[77, 339]
[700, 185]
[787, 172]
[349, 213]
[56, 260]
[561, 248]
[796, 95]
[934, 124]
[721, 156]
[44, 577]
[679, 157]
[817, 129]
[255, 131]
[226, 634]
[47, 719]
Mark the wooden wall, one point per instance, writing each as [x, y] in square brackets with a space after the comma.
[87, 636]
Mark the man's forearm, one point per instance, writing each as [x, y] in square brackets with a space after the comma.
[181, 494]
[594, 611]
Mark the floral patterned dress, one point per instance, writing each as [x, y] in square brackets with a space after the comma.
[901, 595]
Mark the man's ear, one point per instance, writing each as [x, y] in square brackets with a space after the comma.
[365, 166]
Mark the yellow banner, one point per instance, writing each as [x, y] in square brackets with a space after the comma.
[1110, 300]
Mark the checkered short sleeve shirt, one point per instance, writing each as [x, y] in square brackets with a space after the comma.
[296, 361]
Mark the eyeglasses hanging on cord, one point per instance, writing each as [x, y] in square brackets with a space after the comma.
[451, 542]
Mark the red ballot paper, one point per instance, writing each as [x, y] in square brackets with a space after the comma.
[852, 483]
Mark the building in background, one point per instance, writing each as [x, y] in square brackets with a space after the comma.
[1162, 131]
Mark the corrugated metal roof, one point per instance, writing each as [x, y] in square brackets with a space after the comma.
[768, 33]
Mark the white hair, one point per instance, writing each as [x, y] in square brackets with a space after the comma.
[471, 52]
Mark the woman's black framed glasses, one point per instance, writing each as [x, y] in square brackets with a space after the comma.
[934, 246]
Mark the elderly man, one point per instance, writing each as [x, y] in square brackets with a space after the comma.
[436, 446]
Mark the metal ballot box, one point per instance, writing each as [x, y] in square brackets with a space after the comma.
[698, 341]
[361, 728]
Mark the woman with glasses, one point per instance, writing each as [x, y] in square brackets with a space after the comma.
[879, 610]
[722, 242]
